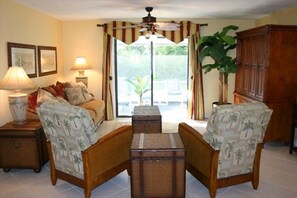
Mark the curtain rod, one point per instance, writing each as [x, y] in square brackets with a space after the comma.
[203, 24]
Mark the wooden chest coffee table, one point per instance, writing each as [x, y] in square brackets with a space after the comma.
[146, 119]
[157, 165]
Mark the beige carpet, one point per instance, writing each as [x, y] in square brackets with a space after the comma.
[167, 127]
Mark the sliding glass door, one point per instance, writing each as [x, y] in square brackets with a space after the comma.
[151, 73]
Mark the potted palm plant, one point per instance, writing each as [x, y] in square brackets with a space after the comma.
[217, 47]
[141, 86]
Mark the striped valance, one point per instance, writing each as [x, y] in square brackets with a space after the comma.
[129, 35]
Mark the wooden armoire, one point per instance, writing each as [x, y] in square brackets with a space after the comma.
[267, 72]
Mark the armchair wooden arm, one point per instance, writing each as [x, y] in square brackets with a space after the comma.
[201, 158]
[111, 151]
[107, 158]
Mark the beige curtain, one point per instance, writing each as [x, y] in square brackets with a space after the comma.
[106, 77]
[196, 99]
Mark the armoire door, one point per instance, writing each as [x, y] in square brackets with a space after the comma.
[261, 70]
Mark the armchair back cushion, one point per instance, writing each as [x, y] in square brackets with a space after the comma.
[236, 130]
[70, 130]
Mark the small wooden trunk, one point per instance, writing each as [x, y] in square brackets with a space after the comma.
[157, 166]
[23, 146]
[146, 119]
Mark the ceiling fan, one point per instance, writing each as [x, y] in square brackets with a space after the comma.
[150, 24]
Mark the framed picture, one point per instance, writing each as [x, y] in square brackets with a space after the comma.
[22, 55]
[47, 60]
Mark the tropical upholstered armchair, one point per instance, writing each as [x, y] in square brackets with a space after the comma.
[76, 153]
[229, 151]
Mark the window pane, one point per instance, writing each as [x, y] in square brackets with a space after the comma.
[170, 78]
[133, 76]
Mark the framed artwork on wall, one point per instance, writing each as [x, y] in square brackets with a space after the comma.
[23, 55]
[47, 60]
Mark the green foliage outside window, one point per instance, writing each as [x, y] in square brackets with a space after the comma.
[172, 50]
[170, 61]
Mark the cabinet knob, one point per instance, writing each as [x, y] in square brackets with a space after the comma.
[16, 144]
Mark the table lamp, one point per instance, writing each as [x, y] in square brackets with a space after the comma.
[16, 79]
[81, 65]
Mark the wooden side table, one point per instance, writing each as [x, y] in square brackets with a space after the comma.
[23, 146]
[157, 165]
[146, 119]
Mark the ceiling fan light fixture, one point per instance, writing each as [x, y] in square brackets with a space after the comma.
[151, 36]
[148, 35]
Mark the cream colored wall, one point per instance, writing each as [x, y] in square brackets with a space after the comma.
[285, 17]
[84, 38]
[20, 24]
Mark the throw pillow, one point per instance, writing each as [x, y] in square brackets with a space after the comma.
[87, 96]
[74, 95]
[70, 85]
[81, 84]
[51, 89]
[85, 91]
[60, 89]
[32, 102]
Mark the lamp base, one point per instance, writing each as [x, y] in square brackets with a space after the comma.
[83, 79]
[18, 104]
[19, 123]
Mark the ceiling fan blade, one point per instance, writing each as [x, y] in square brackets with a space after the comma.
[167, 26]
[167, 29]
[125, 27]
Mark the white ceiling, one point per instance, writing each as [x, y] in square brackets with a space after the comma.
[166, 9]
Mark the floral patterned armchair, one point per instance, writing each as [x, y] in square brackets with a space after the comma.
[76, 153]
[229, 152]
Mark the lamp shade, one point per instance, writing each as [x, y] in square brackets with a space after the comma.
[80, 64]
[16, 79]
